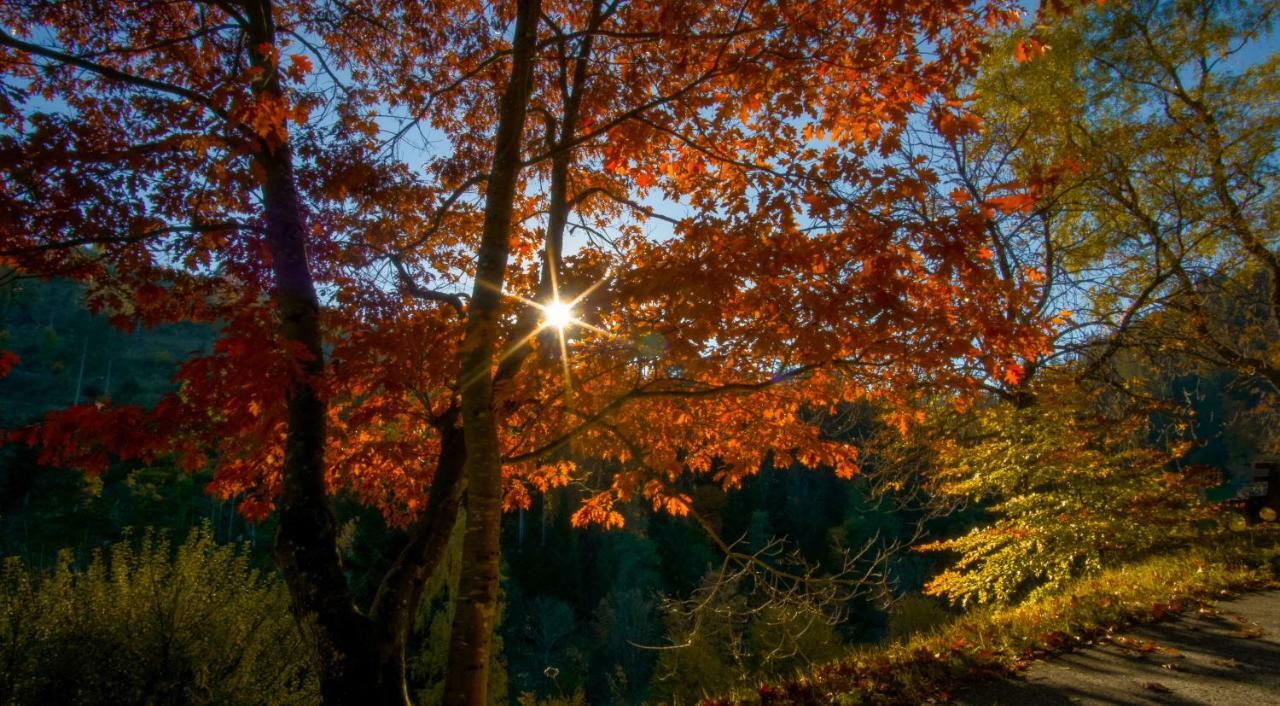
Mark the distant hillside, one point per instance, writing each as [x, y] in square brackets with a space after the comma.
[69, 354]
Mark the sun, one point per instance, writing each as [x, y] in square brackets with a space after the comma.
[557, 314]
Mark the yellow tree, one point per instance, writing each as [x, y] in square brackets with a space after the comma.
[1072, 484]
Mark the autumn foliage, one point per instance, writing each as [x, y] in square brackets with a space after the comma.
[723, 192]
[1063, 482]
[802, 277]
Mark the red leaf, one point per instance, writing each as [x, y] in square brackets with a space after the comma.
[8, 359]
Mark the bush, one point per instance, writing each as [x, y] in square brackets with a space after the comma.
[913, 614]
[145, 624]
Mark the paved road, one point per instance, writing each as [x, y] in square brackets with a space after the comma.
[1226, 657]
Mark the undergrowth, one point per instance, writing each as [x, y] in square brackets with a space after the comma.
[995, 642]
[149, 623]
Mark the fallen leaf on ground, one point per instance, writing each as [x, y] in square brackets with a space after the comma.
[1129, 643]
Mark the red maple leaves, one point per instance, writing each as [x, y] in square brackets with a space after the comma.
[737, 182]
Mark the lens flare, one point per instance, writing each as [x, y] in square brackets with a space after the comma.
[557, 315]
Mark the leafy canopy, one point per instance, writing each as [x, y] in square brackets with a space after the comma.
[788, 267]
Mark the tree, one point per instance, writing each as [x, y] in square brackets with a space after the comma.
[183, 168]
[1160, 119]
[158, 167]
[1147, 136]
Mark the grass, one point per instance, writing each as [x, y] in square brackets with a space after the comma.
[995, 642]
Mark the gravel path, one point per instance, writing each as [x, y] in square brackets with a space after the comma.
[1228, 655]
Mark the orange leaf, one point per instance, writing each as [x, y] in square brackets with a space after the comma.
[1022, 202]
[299, 66]
[1013, 373]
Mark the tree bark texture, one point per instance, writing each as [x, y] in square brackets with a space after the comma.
[467, 676]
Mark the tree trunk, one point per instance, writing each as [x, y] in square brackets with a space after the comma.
[401, 589]
[306, 547]
[467, 677]
[1272, 497]
[361, 659]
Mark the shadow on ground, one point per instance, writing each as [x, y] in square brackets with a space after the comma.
[1225, 658]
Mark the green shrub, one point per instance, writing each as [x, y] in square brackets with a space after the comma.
[914, 614]
[147, 625]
